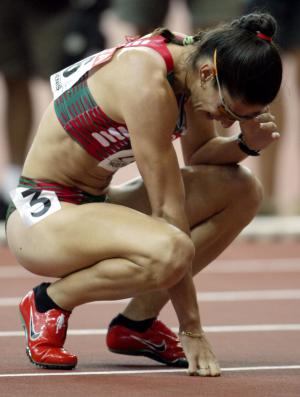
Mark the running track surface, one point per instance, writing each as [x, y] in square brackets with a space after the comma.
[249, 302]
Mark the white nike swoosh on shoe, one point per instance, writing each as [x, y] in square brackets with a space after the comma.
[33, 335]
[161, 347]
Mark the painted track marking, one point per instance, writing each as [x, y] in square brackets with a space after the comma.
[150, 371]
[267, 265]
[214, 296]
[209, 329]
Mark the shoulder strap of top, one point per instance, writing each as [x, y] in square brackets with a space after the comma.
[157, 43]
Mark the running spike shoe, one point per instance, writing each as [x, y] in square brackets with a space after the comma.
[45, 335]
[158, 343]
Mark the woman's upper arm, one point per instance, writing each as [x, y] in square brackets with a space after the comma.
[199, 130]
[151, 117]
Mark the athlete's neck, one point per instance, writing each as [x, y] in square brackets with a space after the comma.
[180, 58]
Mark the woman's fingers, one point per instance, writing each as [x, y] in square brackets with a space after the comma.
[264, 117]
[193, 367]
[268, 126]
[215, 369]
[209, 367]
[202, 361]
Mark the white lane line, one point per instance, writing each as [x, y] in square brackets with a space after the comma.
[145, 371]
[275, 265]
[209, 329]
[273, 226]
[260, 227]
[253, 328]
[217, 296]
[271, 265]
[251, 295]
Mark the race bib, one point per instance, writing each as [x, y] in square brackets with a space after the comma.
[34, 205]
[66, 78]
[117, 160]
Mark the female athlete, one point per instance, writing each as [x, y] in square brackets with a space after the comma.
[147, 238]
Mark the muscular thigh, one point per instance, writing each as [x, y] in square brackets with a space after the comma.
[78, 236]
[208, 188]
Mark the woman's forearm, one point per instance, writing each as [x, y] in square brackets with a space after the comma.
[218, 150]
[184, 299]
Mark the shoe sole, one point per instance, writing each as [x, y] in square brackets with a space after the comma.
[41, 365]
[180, 363]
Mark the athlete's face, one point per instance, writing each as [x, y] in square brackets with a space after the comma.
[217, 102]
[227, 110]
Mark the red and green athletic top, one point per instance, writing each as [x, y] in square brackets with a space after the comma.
[83, 119]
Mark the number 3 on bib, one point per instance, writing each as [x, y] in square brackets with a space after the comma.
[34, 205]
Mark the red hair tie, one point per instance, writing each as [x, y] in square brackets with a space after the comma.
[264, 36]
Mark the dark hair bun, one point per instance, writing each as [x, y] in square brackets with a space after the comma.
[257, 22]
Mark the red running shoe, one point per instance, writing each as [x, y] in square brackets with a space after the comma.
[158, 343]
[45, 335]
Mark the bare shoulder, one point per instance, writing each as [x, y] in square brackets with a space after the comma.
[141, 65]
[142, 83]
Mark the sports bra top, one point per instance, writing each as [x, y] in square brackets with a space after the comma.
[83, 119]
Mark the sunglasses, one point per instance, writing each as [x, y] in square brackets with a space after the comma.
[223, 108]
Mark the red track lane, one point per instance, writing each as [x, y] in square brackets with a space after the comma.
[234, 349]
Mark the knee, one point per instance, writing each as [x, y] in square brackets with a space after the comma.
[172, 259]
[248, 191]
